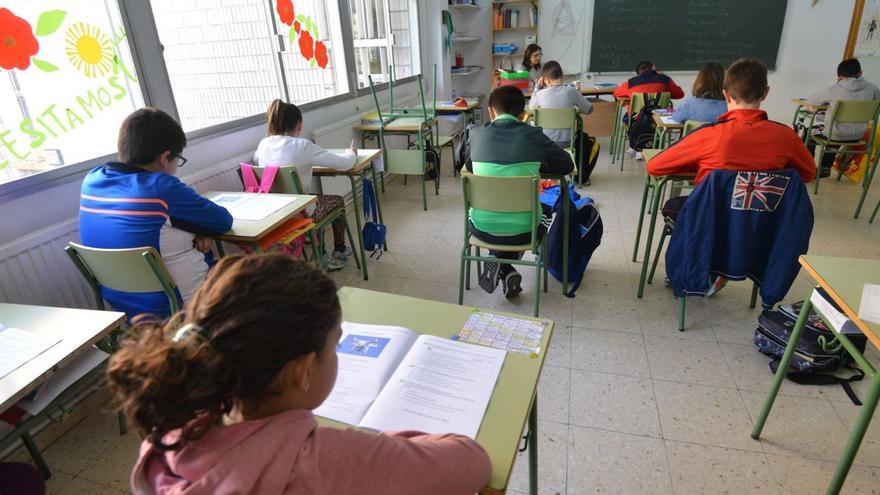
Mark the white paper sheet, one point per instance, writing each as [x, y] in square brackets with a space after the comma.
[252, 206]
[17, 347]
[668, 119]
[368, 355]
[64, 378]
[869, 308]
[834, 317]
[441, 386]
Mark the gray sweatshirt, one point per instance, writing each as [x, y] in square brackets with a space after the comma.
[559, 97]
[853, 88]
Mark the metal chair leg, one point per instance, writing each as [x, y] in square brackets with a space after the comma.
[681, 303]
[354, 255]
[663, 236]
[36, 455]
[754, 299]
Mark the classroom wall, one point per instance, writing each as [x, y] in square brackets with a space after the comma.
[812, 44]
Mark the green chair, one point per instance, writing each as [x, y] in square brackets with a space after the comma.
[847, 112]
[562, 118]
[636, 103]
[691, 126]
[503, 195]
[287, 182]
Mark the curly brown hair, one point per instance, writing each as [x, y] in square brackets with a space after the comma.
[256, 313]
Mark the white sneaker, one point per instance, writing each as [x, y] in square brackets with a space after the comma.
[631, 151]
[343, 255]
[639, 155]
[331, 263]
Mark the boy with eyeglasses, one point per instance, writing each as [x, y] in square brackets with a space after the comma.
[137, 202]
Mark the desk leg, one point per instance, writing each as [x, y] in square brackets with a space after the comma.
[566, 213]
[378, 203]
[655, 205]
[533, 447]
[856, 436]
[641, 216]
[219, 245]
[357, 220]
[783, 367]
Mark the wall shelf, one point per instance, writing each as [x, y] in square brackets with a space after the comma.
[468, 73]
[464, 39]
[464, 6]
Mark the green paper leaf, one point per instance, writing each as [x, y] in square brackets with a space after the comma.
[292, 35]
[313, 64]
[49, 22]
[44, 66]
[301, 18]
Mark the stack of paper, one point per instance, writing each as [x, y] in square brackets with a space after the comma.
[17, 347]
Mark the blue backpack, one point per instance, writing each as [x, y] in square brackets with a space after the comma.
[374, 232]
[585, 235]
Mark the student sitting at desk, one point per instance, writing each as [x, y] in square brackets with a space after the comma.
[506, 147]
[707, 103]
[224, 394]
[138, 202]
[285, 147]
[558, 95]
[648, 80]
[741, 139]
[531, 63]
[850, 86]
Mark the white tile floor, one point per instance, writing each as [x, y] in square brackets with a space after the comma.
[628, 405]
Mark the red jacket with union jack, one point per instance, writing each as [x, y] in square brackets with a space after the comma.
[742, 140]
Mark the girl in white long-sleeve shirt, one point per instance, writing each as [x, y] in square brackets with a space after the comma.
[284, 147]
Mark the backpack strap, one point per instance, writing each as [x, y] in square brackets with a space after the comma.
[249, 178]
[802, 378]
[269, 173]
[368, 199]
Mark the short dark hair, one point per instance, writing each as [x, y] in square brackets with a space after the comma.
[849, 68]
[507, 99]
[146, 134]
[283, 117]
[746, 80]
[643, 66]
[552, 69]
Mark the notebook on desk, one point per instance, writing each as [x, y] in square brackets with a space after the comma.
[249, 206]
[391, 378]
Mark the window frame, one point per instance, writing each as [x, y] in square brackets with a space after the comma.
[147, 58]
[415, 18]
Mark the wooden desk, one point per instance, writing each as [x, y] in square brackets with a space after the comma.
[364, 163]
[514, 399]
[843, 279]
[805, 111]
[79, 329]
[662, 131]
[251, 231]
[586, 91]
[401, 125]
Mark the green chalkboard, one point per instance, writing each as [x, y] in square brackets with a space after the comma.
[684, 34]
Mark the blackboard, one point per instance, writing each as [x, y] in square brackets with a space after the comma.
[684, 34]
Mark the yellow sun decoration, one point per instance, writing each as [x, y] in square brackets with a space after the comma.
[88, 49]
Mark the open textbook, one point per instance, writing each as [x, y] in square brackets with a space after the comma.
[391, 378]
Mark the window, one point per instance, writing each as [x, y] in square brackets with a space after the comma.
[66, 84]
[376, 47]
[227, 62]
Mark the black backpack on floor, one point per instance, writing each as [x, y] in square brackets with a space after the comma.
[641, 131]
[811, 364]
[432, 162]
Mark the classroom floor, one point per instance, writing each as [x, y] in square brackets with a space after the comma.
[627, 404]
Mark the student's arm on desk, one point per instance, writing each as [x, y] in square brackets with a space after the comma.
[675, 91]
[800, 158]
[401, 463]
[584, 105]
[192, 212]
[557, 161]
[682, 112]
[622, 91]
[319, 157]
[681, 158]
[820, 97]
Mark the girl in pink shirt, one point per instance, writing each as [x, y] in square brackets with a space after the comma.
[224, 394]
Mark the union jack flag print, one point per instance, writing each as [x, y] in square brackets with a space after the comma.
[758, 191]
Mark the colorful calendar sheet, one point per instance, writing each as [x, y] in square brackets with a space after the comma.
[503, 332]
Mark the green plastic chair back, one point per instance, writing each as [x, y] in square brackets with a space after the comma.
[503, 195]
[286, 181]
[854, 111]
[557, 118]
[637, 101]
[691, 126]
[136, 270]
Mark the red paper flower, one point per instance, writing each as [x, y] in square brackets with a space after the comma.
[306, 44]
[296, 26]
[285, 11]
[321, 54]
[17, 41]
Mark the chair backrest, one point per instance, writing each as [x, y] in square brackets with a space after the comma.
[286, 182]
[503, 195]
[558, 118]
[637, 101]
[691, 126]
[854, 111]
[136, 270]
